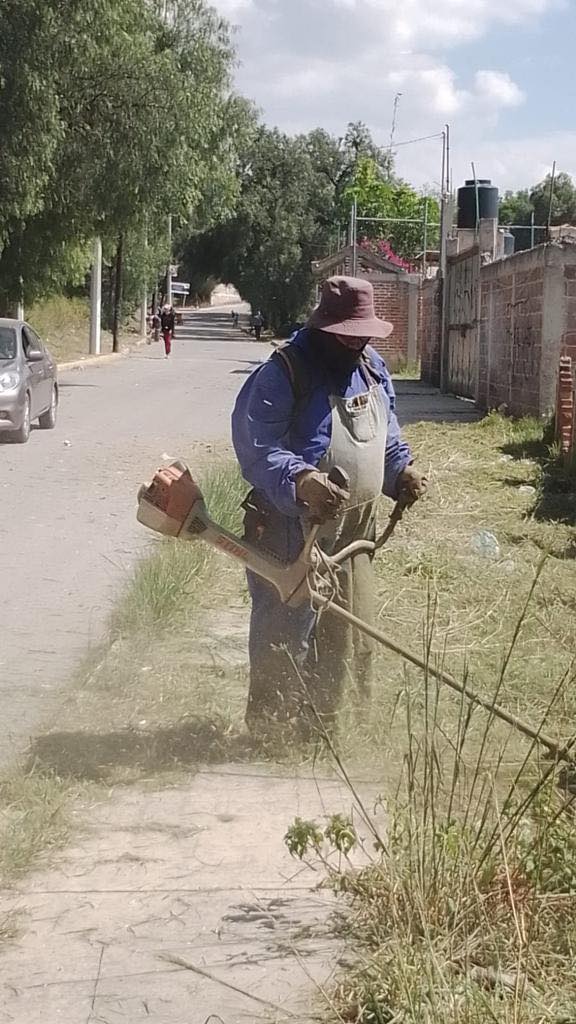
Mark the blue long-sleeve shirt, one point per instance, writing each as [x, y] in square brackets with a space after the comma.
[273, 445]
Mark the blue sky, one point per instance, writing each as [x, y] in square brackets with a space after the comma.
[499, 71]
[539, 56]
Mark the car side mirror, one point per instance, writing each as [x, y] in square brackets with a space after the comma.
[35, 356]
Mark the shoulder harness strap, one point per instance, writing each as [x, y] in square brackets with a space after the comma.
[370, 371]
[294, 363]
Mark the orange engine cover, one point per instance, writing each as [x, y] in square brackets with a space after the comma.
[174, 492]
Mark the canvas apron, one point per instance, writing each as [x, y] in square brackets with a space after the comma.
[339, 652]
[288, 645]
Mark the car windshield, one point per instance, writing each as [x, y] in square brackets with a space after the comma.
[7, 343]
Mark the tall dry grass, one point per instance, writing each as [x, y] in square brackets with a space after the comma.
[466, 912]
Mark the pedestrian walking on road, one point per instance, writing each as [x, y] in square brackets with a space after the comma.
[258, 324]
[154, 326]
[168, 323]
[326, 399]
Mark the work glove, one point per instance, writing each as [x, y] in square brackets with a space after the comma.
[410, 486]
[323, 499]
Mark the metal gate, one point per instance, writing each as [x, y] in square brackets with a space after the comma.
[462, 314]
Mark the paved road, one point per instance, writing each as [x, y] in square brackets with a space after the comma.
[68, 532]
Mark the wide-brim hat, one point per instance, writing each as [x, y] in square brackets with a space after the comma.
[347, 307]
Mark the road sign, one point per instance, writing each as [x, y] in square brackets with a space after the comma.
[180, 288]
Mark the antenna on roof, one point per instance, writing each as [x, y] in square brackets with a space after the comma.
[393, 128]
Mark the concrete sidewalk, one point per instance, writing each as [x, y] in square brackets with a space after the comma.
[162, 877]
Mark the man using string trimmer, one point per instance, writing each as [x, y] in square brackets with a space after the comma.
[324, 400]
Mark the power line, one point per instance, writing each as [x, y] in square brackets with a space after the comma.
[423, 138]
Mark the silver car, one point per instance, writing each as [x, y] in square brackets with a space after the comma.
[28, 382]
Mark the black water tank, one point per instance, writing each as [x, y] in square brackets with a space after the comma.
[487, 202]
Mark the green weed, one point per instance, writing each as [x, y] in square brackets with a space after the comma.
[405, 369]
[33, 818]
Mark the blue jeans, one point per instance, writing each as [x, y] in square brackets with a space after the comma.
[295, 656]
[280, 636]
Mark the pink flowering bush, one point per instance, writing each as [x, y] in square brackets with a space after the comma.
[381, 247]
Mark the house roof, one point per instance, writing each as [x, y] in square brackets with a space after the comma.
[365, 260]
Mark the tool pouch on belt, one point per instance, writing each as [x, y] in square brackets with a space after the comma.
[256, 516]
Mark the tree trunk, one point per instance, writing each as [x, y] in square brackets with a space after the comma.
[9, 309]
[117, 312]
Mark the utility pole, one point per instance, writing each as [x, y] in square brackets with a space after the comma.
[444, 197]
[355, 237]
[96, 299]
[118, 288]
[144, 312]
[445, 226]
[551, 201]
[144, 305]
[169, 267]
[425, 240]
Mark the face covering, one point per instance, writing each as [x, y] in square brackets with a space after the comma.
[356, 344]
[340, 359]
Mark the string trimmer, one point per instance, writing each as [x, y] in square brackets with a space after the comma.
[174, 506]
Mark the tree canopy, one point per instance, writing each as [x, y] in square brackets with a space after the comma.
[283, 220]
[112, 113]
[381, 196]
[518, 208]
[295, 197]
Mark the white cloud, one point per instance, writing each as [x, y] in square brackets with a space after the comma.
[414, 22]
[327, 62]
[520, 162]
[498, 88]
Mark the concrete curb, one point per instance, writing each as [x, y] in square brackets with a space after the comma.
[109, 357]
[78, 364]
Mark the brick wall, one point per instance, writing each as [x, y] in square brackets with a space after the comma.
[527, 321]
[396, 300]
[430, 326]
[510, 333]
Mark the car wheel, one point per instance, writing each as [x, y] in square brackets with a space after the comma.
[21, 435]
[47, 420]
